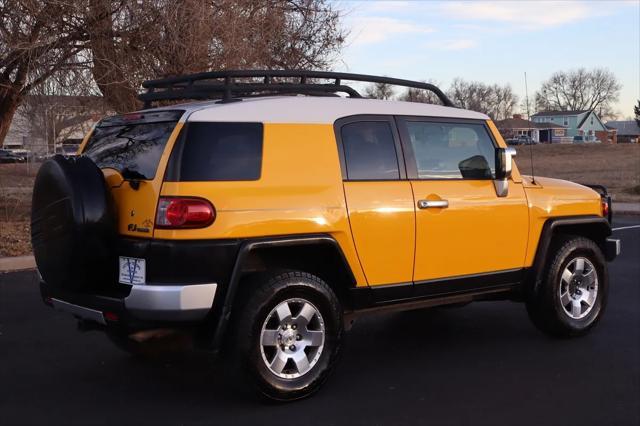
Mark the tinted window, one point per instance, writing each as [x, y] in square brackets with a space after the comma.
[369, 151]
[132, 149]
[451, 150]
[221, 151]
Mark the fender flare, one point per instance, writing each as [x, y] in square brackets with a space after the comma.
[246, 249]
[600, 226]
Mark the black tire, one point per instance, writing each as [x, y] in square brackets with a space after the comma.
[544, 304]
[250, 357]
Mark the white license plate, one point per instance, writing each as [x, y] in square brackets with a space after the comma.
[132, 270]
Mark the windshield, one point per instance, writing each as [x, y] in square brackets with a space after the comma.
[133, 146]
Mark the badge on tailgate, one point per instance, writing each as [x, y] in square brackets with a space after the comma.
[132, 270]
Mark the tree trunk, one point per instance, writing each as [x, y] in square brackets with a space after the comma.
[106, 69]
[9, 103]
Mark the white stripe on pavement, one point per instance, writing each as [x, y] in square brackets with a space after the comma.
[626, 227]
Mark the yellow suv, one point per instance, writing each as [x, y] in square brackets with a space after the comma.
[265, 217]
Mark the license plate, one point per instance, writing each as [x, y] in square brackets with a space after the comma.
[132, 270]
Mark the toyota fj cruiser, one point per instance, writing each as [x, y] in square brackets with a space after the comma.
[265, 216]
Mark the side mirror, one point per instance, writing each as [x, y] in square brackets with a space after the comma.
[504, 157]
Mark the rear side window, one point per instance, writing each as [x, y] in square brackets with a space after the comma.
[369, 151]
[218, 152]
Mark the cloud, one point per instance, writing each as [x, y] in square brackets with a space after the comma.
[527, 14]
[372, 29]
[452, 44]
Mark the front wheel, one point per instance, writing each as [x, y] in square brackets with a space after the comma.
[288, 335]
[572, 295]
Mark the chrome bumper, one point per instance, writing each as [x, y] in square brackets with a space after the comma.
[154, 303]
[612, 249]
[161, 302]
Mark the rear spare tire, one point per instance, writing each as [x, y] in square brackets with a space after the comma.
[72, 226]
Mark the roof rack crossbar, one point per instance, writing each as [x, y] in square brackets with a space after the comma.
[186, 87]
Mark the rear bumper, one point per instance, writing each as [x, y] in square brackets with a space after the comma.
[143, 304]
[171, 303]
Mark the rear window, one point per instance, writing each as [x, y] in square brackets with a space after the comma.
[218, 152]
[132, 144]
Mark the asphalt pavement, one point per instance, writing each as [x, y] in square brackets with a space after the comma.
[481, 364]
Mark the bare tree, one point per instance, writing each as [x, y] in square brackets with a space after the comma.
[37, 38]
[62, 105]
[379, 91]
[156, 38]
[420, 95]
[636, 112]
[123, 42]
[580, 89]
[498, 102]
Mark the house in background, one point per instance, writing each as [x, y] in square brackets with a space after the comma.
[628, 131]
[546, 132]
[45, 124]
[578, 123]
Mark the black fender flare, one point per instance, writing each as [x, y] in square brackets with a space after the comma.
[598, 228]
[224, 311]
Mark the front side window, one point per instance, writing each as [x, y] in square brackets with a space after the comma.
[369, 151]
[451, 150]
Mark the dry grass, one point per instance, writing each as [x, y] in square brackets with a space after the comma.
[16, 183]
[615, 166]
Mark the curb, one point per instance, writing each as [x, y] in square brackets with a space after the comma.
[15, 264]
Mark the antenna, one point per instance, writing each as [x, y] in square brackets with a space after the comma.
[526, 92]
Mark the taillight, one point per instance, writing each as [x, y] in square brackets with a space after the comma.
[179, 212]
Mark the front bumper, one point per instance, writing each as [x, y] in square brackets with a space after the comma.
[144, 303]
[612, 248]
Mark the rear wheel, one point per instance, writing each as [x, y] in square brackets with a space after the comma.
[572, 295]
[288, 335]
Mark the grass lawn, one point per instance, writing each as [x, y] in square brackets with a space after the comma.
[615, 166]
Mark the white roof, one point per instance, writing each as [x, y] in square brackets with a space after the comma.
[313, 109]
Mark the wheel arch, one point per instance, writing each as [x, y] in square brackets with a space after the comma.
[318, 254]
[595, 228]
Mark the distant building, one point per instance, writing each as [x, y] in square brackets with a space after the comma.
[628, 131]
[69, 118]
[546, 132]
[577, 123]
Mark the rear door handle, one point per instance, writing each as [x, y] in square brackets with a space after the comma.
[433, 204]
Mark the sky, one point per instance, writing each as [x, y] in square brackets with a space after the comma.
[494, 41]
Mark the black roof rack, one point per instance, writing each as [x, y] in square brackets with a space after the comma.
[223, 85]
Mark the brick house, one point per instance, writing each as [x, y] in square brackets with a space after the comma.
[628, 131]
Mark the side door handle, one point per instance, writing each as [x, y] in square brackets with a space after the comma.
[433, 204]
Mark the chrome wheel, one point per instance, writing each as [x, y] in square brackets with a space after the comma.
[578, 288]
[292, 338]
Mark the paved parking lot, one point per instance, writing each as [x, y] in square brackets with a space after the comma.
[481, 364]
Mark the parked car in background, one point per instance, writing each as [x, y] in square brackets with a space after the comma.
[521, 140]
[7, 156]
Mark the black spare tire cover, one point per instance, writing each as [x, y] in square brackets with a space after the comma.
[72, 226]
